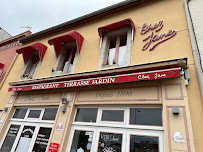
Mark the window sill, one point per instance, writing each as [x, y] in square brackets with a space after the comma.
[55, 73]
[110, 66]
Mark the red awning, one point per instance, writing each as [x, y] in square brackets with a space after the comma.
[27, 50]
[116, 26]
[58, 40]
[1, 65]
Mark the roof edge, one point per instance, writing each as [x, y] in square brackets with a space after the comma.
[82, 18]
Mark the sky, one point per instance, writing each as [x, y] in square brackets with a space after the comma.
[43, 14]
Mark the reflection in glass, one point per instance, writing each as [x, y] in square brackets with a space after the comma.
[112, 51]
[86, 114]
[110, 142]
[10, 138]
[146, 117]
[112, 115]
[143, 144]
[82, 141]
[50, 114]
[122, 50]
[34, 113]
[42, 140]
[25, 139]
[20, 113]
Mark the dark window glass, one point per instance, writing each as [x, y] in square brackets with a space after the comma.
[112, 115]
[42, 140]
[25, 139]
[82, 141]
[34, 113]
[146, 117]
[50, 114]
[123, 40]
[143, 144]
[110, 142]
[10, 138]
[20, 113]
[86, 114]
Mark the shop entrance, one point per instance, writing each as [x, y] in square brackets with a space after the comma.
[127, 129]
[29, 130]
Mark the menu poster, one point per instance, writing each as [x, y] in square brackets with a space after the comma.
[25, 139]
[24, 144]
[110, 142]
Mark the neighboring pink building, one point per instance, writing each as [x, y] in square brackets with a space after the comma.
[8, 49]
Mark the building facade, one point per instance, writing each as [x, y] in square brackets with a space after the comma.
[121, 79]
[8, 49]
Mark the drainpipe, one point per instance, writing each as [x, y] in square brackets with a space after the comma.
[195, 49]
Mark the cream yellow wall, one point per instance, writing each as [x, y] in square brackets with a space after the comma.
[151, 12]
[170, 11]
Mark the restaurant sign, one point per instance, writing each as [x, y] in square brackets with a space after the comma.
[149, 75]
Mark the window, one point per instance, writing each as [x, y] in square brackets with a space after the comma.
[28, 131]
[66, 59]
[31, 65]
[67, 47]
[112, 131]
[33, 55]
[116, 40]
[116, 51]
[2, 73]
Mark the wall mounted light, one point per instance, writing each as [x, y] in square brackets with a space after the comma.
[5, 109]
[63, 109]
[64, 101]
[175, 110]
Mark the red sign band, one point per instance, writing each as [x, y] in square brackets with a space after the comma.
[149, 75]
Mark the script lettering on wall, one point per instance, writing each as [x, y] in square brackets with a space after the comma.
[154, 38]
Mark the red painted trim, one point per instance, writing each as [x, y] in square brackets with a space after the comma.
[149, 75]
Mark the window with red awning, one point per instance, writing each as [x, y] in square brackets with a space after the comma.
[32, 54]
[67, 48]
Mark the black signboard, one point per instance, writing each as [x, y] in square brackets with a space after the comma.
[110, 142]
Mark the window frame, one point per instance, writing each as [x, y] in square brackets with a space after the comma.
[61, 57]
[28, 66]
[105, 47]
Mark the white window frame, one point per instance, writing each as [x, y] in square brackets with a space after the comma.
[37, 122]
[115, 127]
[104, 47]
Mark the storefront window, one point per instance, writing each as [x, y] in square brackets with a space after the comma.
[34, 113]
[10, 138]
[146, 117]
[143, 144]
[110, 142]
[82, 141]
[86, 114]
[20, 113]
[112, 115]
[25, 134]
[113, 132]
[42, 140]
[50, 114]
